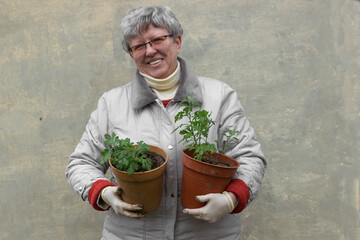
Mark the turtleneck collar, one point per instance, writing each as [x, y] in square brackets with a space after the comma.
[165, 88]
[163, 84]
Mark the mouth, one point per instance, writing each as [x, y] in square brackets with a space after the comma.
[154, 62]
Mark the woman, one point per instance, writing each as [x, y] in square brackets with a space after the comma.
[144, 109]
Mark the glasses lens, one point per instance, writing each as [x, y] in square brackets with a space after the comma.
[138, 48]
[158, 40]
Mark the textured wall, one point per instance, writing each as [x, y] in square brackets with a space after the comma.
[294, 64]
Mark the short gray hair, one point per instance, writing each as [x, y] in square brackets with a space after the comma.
[138, 20]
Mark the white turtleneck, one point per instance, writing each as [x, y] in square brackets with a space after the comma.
[165, 88]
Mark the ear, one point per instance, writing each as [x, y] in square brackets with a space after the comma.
[178, 42]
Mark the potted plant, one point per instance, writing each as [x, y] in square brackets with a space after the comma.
[139, 170]
[205, 169]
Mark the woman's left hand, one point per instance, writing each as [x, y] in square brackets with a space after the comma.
[216, 207]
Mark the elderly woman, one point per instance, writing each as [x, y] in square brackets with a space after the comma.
[144, 109]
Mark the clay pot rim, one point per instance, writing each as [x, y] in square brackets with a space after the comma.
[185, 151]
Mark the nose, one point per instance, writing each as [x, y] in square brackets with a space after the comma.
[149, 50]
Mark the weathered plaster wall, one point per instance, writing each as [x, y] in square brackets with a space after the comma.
[294, 64]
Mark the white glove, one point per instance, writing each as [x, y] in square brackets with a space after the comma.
[217, 206]
[112, 197]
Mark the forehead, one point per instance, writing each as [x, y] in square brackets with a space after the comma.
[149, 33]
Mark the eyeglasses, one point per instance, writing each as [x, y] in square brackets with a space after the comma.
[156, 42]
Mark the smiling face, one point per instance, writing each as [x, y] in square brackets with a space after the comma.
[160, 61]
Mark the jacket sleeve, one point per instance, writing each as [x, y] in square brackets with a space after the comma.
[247, 150]
[84, 167]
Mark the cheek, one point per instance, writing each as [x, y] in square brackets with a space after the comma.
[138, 61]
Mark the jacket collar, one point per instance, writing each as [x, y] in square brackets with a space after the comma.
[189, 85]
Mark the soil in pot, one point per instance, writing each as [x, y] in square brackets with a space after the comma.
[215, 161]
[156, 160]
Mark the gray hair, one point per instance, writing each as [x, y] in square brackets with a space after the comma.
[138, 20]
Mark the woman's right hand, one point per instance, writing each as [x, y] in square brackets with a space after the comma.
[112, 197]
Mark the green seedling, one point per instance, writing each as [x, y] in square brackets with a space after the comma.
[195, 131]
[124, 155]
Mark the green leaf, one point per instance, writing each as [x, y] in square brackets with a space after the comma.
[146, 164]
[107, 136]
[106, 154]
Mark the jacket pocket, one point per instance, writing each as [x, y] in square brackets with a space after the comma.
[123, 227]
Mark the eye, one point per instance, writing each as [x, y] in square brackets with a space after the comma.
[138, 47]
[158, 40]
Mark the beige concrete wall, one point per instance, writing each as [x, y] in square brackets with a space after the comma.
[294, 64]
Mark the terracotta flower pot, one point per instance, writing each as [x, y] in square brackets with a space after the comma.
[201, 178]
[143, 188]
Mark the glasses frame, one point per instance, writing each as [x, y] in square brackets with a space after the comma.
[149, 42]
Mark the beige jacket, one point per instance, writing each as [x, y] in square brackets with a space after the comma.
[133, 111]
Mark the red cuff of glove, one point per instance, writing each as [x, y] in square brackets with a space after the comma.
[242, 192]
[95, 190]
